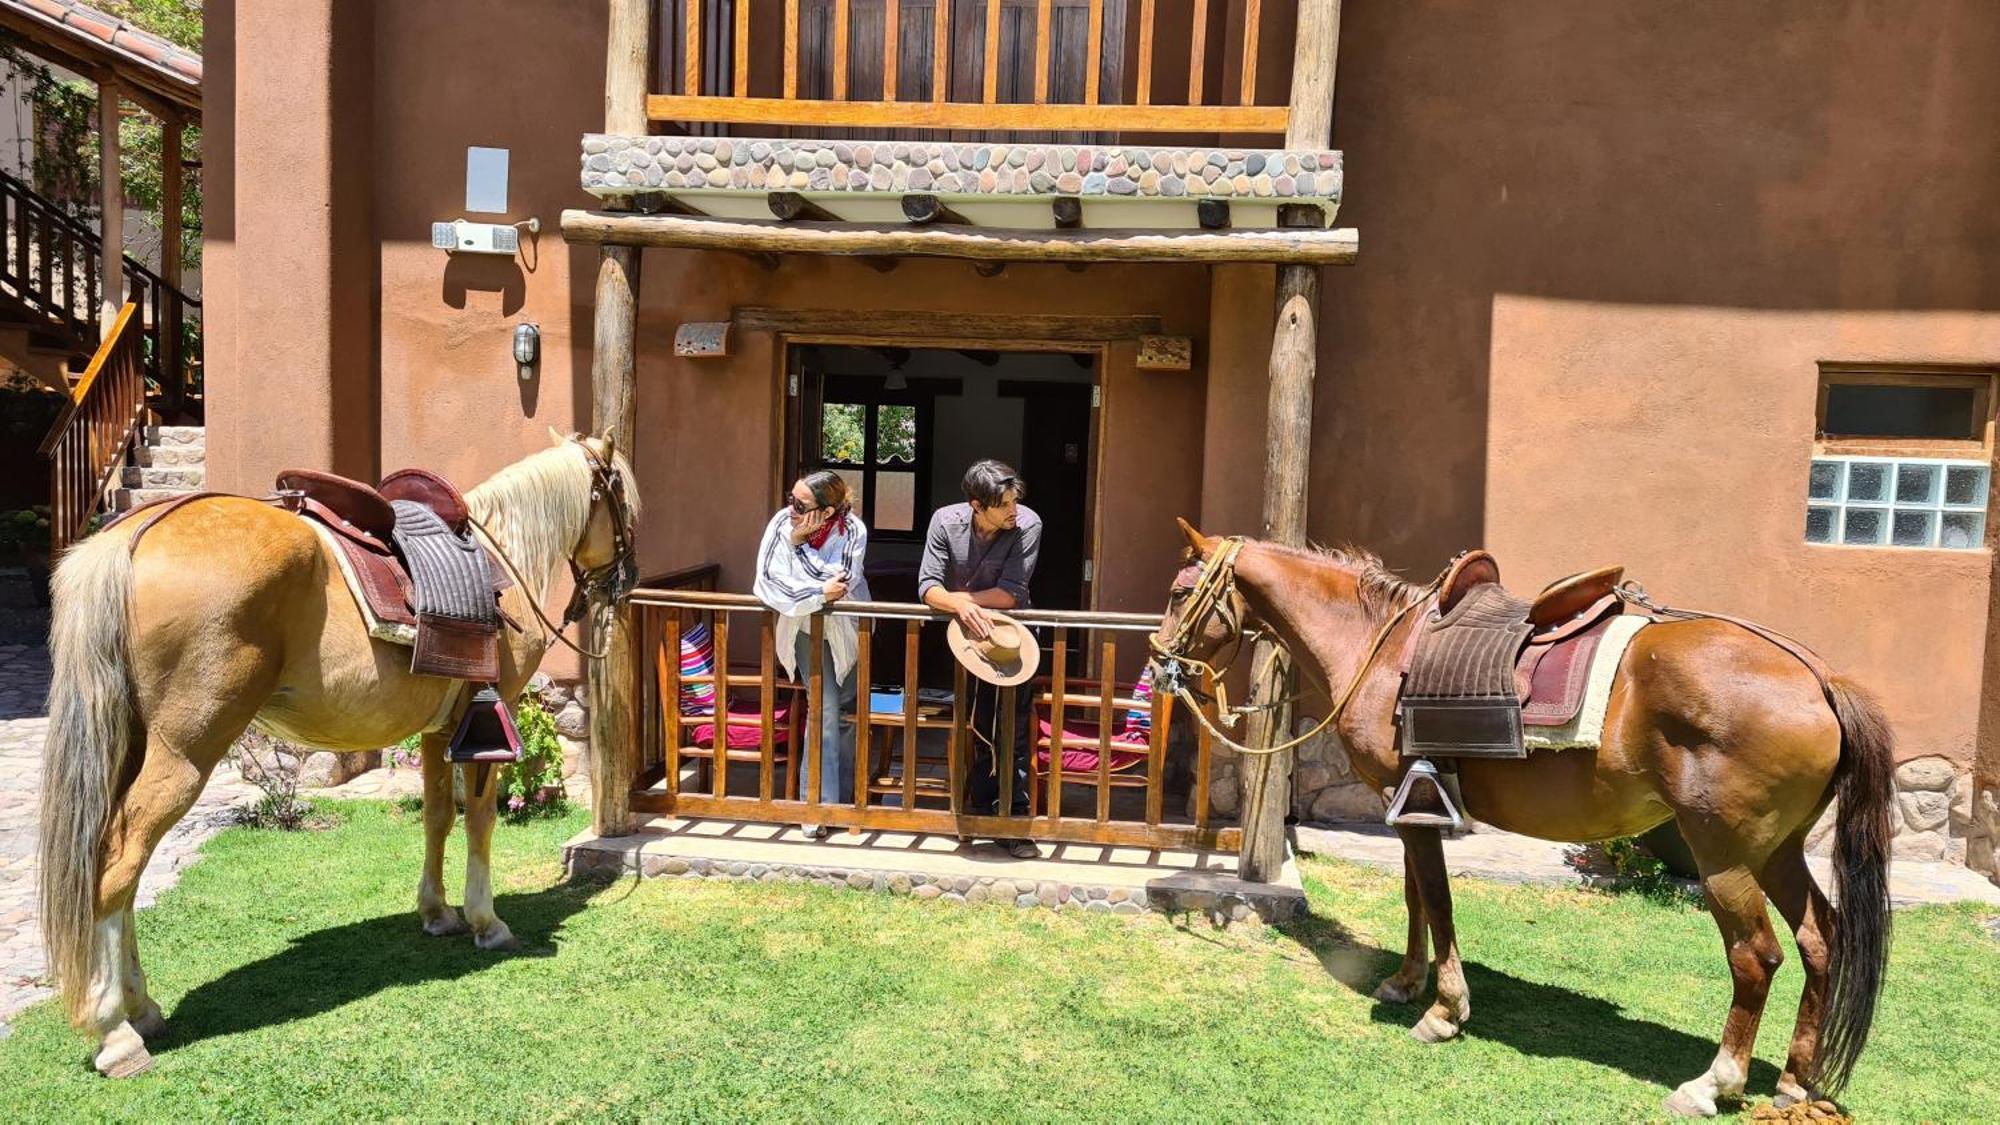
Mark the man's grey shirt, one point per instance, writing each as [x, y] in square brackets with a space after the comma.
[956, 560]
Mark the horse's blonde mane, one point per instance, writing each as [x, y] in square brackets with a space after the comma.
[539, 507]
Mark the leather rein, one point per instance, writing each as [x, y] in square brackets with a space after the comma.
[1214, 592]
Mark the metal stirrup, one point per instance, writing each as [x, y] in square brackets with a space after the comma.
[1403, 813]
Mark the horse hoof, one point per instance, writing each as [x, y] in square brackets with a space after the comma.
[1687, 1102]
[123, 1054]
[1396, 991]
[496, 937]
[446, 924]
[1433, 1028]
[150, 1024]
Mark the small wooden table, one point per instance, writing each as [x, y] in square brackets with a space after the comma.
[885, 710]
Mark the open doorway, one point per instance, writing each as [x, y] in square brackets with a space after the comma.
[901, 424]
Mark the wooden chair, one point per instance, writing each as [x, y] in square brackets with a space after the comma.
[1082, 706]
[742, 721]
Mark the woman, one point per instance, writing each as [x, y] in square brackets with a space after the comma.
[811, 556]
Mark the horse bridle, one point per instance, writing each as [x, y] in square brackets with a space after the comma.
[615, 578]
[1215, 591]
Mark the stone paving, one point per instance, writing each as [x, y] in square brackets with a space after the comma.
[24, 685]
[1491, 854]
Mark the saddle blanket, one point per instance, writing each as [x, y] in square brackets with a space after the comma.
[394, 632]
[1586, 729]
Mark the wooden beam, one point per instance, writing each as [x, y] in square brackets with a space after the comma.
[111, 181]
[660, 202]
[1212, 214]
[170, 200]
[922, 324]
[1308, 246]
[981, 356]
[792, 207]
[881, 264]
[921, 209]
[989, 269]
[1006, 117]
[1267, 778]
[1068, 211]
[627, 31]
[613, 681]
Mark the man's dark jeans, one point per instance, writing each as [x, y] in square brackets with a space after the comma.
[982, 786]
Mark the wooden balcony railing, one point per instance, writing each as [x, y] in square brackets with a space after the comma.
[87, 443]
[912, 762]
[988, 65]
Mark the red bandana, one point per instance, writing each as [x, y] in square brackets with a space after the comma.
[818, 538]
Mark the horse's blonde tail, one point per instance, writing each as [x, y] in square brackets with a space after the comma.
[91, 728]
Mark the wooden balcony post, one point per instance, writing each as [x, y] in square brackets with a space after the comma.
[613, 365]
[1267, 778]
[170, 200]
[112, 202]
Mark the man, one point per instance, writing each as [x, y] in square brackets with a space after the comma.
[980, 556]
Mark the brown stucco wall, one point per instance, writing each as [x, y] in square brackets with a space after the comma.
[1604, 246]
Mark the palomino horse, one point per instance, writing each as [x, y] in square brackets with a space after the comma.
[230, 613]
[1709, 725]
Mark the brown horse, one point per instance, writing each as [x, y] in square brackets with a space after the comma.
[231, 613]
[1709, 725]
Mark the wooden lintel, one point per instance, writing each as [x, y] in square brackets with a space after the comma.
[881, 264]
[989, 269]
[793, 207]
[923, 324]
[921, 209]
[1302, 246]
[1212, 214]
[1068, 211]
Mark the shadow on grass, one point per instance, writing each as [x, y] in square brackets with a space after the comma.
[1539, 1020]
[330, 968]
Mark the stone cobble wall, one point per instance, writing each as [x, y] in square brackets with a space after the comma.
[613, 165]
[1938, 816]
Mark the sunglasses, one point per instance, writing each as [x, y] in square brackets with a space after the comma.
[802, 507]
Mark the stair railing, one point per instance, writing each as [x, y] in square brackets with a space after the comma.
[53, 264]
[88, 442]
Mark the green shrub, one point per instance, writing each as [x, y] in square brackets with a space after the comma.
[533, 786]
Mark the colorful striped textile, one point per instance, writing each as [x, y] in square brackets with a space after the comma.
[697, 659]
[1139, 720]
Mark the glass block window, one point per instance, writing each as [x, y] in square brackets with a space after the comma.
[1897, 502]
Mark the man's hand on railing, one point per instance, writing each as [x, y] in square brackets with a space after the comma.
[972, 617]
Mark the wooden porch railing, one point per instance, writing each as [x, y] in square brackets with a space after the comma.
[901, 783]
[52, 265]
[990, 65]
[87, 443]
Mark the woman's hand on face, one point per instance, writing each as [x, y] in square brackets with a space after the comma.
[804, 526]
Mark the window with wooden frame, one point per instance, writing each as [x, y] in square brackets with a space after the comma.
[1902, 456]
[878, 440]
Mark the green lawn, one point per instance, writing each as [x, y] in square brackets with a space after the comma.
[297, 985]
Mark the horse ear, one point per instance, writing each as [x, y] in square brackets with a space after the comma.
[556, 438]
[610, 441]
[1197, 542]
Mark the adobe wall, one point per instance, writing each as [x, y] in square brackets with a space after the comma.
[1604, 246]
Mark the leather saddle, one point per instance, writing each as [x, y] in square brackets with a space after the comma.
[408, 547]
[1487, 663]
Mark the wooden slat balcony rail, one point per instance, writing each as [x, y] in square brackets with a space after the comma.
[1102, 66]
[87, 443]
[50, 265]
[914, 756]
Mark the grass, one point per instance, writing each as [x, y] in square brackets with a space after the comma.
[298, 986]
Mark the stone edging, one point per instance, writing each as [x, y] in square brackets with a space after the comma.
[1220, 899]
[615, 165]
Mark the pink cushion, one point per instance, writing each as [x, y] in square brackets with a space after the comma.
[744, 737]
[1077, 759]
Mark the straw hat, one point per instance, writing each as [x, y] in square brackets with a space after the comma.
[1009, 655]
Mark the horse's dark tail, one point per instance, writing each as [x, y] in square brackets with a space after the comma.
[1862, 828]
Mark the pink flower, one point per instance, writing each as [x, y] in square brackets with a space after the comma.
[515, 804]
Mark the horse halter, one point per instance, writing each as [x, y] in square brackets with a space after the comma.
[1213, 593]
[614, 579]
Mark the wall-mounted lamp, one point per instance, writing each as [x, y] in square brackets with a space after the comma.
[527, 348]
